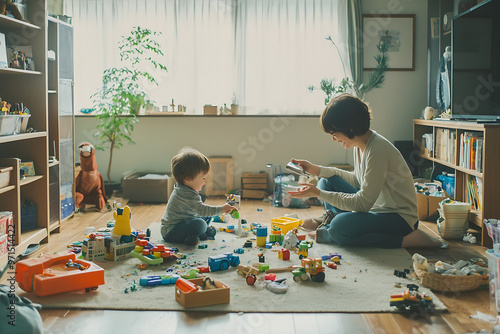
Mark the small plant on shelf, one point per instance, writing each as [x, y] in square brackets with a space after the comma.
[123, 90]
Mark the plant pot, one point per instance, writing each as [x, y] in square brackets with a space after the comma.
[234, 109]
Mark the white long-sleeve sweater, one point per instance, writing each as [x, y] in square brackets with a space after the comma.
[383, 178]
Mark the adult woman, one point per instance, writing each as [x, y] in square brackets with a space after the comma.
[376, 204]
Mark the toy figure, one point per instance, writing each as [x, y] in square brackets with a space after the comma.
[89, 182]
[8, 5]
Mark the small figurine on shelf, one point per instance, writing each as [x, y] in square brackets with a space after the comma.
[9, 6]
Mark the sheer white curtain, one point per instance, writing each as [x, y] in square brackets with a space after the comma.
[197, 41]
[265, 52]
[282, 50]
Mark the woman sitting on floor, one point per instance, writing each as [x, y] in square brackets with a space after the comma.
[374, 206]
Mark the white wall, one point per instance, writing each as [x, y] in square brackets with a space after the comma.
[255, 141]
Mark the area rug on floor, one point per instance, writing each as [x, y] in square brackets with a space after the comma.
[362, 283]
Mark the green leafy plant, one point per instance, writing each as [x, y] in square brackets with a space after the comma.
[123, 90]
[375, 78]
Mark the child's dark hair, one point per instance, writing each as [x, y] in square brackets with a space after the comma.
[346, 114]
[188, 163]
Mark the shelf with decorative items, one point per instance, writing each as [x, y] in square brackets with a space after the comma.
[469, 151]
[23, 87]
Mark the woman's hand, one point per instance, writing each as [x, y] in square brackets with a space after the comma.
[308, 190]
[308, 167]
[226, 208]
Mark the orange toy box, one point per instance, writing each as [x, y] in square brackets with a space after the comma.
[187, 294]
[58, 273]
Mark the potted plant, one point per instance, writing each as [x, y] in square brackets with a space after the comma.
[123, 92]
[375, 78]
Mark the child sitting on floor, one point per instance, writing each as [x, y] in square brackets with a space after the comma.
[183, 220]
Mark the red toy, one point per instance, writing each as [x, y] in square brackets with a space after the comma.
[89, 182]
[54, 274]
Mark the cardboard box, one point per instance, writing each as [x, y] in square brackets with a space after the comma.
[428, 206]
[147, 186]
[209, 110]
[221, 295]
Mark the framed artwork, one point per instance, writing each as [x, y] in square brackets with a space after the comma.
[398, 32]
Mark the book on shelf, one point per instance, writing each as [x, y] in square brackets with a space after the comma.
[3, 52]
[474, 192]
[471, 150]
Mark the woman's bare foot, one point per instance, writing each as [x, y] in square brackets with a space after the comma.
[420, 239]
[312, 235]
[310, 224]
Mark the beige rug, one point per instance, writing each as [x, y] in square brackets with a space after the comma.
[362, 283]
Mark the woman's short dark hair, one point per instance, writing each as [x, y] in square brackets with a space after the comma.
[188, 163]
[346, 114]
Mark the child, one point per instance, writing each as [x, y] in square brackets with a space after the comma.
[182, 221]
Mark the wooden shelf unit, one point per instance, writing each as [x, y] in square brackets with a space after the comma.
[32, 89]
[489, 174]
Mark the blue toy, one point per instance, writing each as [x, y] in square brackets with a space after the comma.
[223, 261]
[152, 280]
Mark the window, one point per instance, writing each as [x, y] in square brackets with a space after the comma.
[263, 54]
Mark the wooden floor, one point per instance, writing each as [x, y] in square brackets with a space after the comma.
[455, 320]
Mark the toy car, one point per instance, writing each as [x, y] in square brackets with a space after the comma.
[223, 261]
[313, 267]
[411, 299]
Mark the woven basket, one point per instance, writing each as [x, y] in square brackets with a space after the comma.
[450, 283]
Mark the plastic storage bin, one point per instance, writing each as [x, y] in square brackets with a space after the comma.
[448, 183]
[67, 207]
[454, 220]
[493, 262]
[28, 215]
[5, 176]
[9, 124]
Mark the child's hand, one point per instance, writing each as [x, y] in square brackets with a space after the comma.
[226, 208]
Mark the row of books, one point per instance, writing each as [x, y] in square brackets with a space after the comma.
[474, 192]
[446, 140]
[471, 151]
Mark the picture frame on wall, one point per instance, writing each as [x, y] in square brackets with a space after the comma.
[398, 32]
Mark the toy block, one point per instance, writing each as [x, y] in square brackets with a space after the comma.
[138, 248]
[141, 242]
[261, 241]
[261, 232]
[301, 237]
[269, 245]
[239, 251]
[202, 246]
[263, 266]
[204, 269]
[166, 254]
[270, 277]
[248, 244]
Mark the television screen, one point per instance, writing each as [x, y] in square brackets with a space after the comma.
[475, 64]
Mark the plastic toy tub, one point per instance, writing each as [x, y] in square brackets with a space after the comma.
[9, 124]
[286, 223]
[23, 123]
[49, 275]
[4, 176]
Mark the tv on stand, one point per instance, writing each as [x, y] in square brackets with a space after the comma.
[475, 64]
